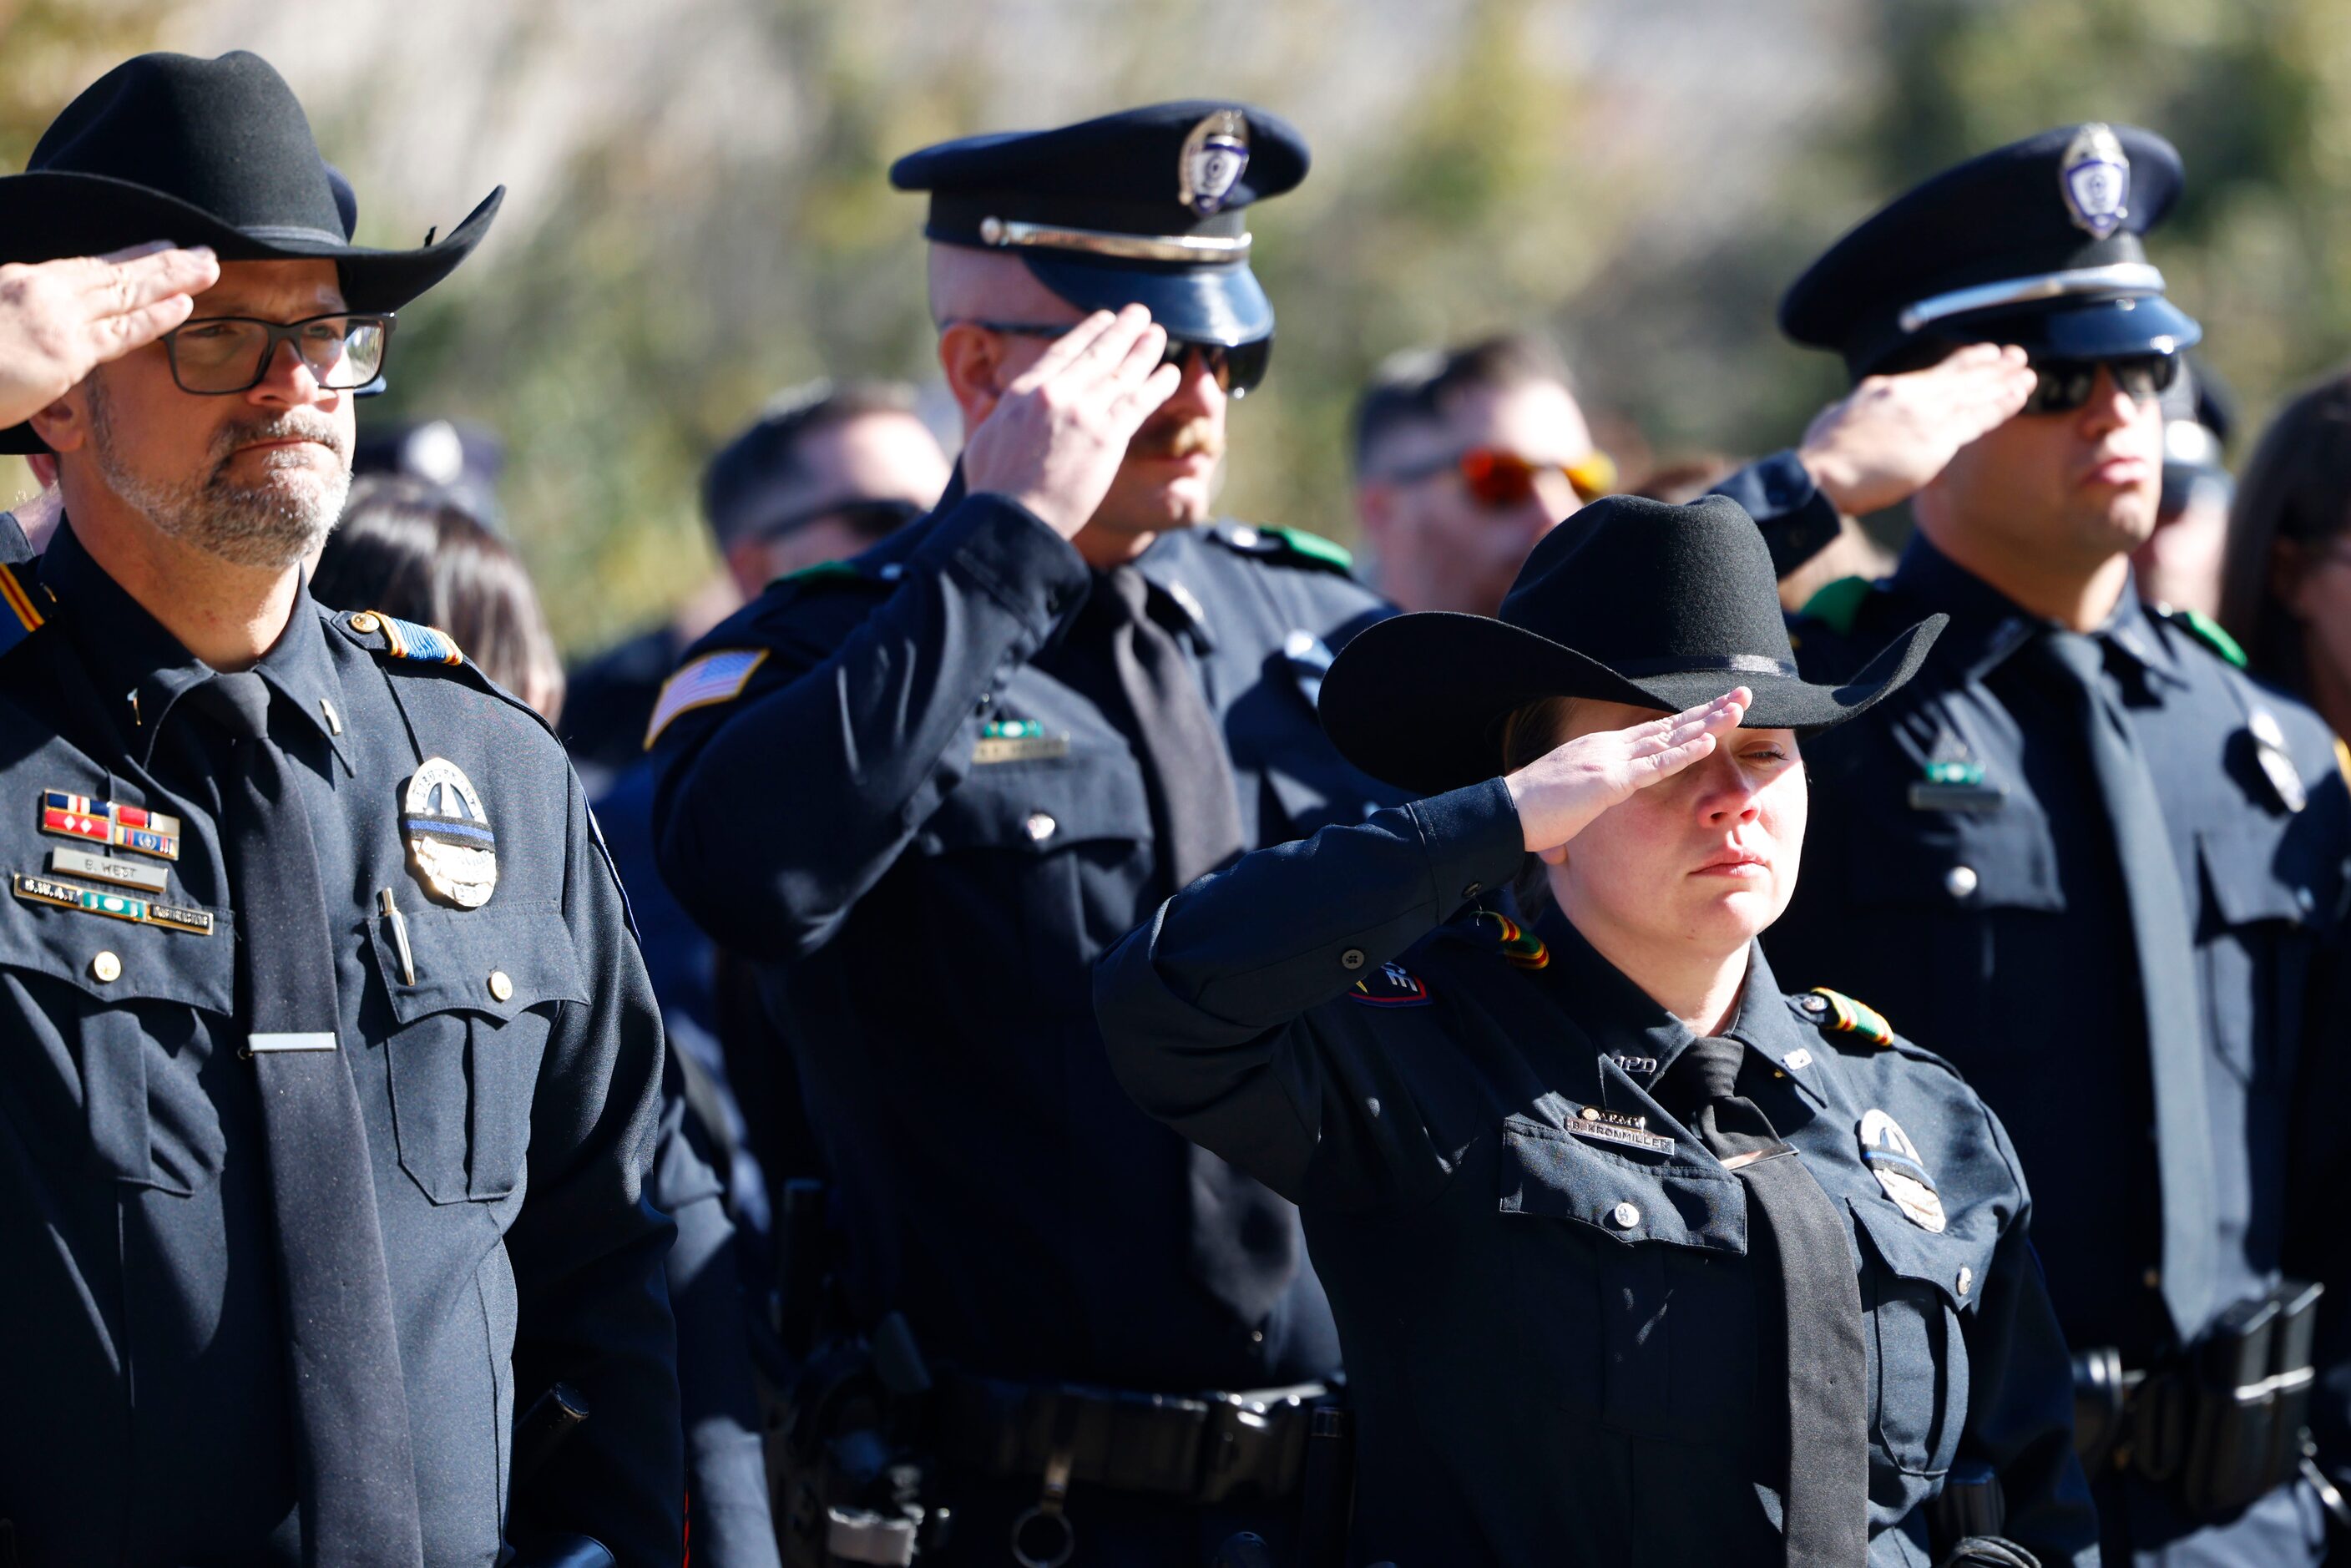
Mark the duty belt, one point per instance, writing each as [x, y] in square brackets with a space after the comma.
[1206, 1448]
[2216, 1426]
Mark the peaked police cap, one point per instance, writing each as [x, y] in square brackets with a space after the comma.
[2037, 244]
[1631, 600]
[1145, 206]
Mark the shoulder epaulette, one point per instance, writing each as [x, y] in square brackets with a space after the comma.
[2207, 631]
[822, 571]
[1840, 1014]
[1293, 547]
[1498, 932]
[20, 616]
[398, 639]
[1838, 604]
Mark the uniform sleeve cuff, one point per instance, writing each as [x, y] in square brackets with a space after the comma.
[1797, 521]
[1474, 841]
[1007, 550]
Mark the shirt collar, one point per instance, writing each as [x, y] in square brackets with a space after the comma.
[1986, 626]
[134, 660]
[1623, 1020]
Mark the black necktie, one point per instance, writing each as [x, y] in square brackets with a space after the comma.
[2163, 941]
[1808, 1300]
[1244, 1239]
[358, 1479]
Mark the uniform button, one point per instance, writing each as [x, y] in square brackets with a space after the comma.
[2152, 1279]
[105, 968]
[365, 622]
[1257, 1336]
[1626, 1215]
[1353, 958]
[1039, 826]
[892, 573]
[500, 985]
[2304, 900]
[1244, 537]
[1590, 1115]
[1959, 881]
[1473, 890]
[1967, 1281]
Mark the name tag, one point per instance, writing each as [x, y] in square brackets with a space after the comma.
[1958, 797]
[1019, 749]
[259, 1043]
[1615, 1127]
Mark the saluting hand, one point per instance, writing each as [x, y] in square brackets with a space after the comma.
[1560, 793]
[1058, 431]
[1892, 434]
[61, 320]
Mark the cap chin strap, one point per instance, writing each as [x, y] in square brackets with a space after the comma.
[1193, 248]
[2121, 277]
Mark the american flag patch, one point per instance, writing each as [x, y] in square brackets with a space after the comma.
[711, 678]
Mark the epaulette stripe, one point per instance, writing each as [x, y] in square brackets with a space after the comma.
[410, 639]
[1848, 1016]
[20, 602]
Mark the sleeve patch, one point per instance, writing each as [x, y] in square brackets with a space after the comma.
[712, 678]
[19, 616]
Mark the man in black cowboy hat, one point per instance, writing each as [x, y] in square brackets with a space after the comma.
[925, 787]
[2087, 857]
[1636, 1259]
[333, 1071]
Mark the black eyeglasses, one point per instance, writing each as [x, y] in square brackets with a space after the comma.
[2061, 386]
[213, 356]
[1238, 368]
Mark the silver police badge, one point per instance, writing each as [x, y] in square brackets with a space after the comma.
[2094, 177]
[1893, 1160]
[448, 833]
[1214, 156]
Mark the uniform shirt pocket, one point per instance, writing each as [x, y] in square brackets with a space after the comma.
[469, 1032]
[2264, 896]
[1632, 1284]
[134, 1012]
[1916, 1284]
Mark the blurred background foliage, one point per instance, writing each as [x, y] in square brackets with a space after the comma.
[699, 213]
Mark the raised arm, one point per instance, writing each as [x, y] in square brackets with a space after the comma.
[1203, 1008]
[780, 806]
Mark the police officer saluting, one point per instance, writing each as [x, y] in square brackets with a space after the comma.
[1636, 1259]
[2087, 857]
[332, 1072]
[927, 787]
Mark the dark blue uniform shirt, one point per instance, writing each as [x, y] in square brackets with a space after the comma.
[917, 813]
[509, 1125]
[1550, 1337]
[1999, 936]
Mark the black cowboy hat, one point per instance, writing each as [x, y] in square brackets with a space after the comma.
[1665, 607]
[199, 152]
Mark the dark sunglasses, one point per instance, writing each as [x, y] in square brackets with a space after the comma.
[2061, 386]
[213, 356]
[1497, 478]
[866, 519]
[1238, 368]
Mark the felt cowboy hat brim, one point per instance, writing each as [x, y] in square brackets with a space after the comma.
[1419, 700]
[49, 215]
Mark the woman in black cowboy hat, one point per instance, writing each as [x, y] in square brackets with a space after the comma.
[1633, 1256]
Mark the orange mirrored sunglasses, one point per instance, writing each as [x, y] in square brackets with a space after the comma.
[1496, 477]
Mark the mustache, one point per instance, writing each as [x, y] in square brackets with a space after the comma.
[289, 424]
[1177, 438]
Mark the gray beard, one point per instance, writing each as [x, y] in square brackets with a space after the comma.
[267, 526]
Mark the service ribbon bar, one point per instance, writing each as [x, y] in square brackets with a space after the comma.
[95, 821]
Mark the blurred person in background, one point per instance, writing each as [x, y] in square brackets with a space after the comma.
[408, 547]
[2087, 857]
[826, 470]
[1463, 458]
[2286, 592]
[458, 456]
[924, 789]
[2181, 563]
